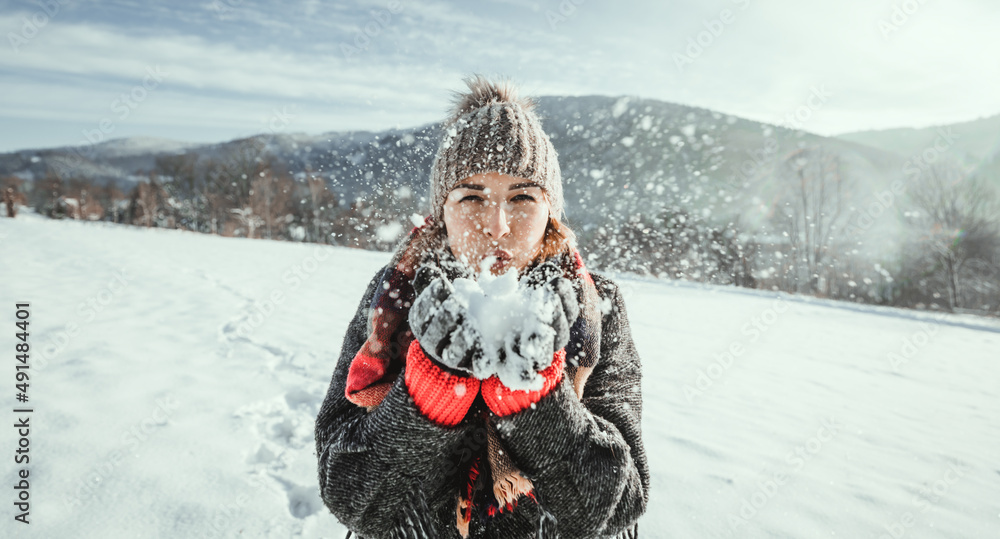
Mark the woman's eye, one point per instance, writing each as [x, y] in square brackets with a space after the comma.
[524, 197]
[471, 197]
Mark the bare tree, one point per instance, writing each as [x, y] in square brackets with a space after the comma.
[148, 204]
[321, 201]
[270, 199]
[11, 188]
[230, 180]
[248, 219]
[46, 191]
[181, 172]
[957, 225]
[811, 211]
[184, 181]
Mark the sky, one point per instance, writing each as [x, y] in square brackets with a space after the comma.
[84, 71]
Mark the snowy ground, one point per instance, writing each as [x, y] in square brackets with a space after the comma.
[176, 379]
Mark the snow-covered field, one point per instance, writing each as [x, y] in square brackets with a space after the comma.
[176, 377]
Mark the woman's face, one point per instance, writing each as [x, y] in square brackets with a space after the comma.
[496, 219]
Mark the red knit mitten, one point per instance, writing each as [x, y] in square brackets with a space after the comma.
[504, 401]
[442, 397]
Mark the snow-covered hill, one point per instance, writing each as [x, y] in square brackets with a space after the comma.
[176, 377]
[619, 156]
[974, 140]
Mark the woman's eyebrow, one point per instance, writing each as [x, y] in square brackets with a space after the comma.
[476, 187]
[524, 185]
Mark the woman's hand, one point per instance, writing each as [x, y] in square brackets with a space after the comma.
[535, 343]
[442, 352]
[561, 301]
[440, 323]
[548, 361]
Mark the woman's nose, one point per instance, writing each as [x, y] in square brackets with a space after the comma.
[496, 221]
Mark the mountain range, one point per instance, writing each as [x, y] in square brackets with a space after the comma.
[620, 156]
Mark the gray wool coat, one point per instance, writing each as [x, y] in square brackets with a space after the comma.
[393, 473]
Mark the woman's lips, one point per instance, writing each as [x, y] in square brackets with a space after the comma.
[501, 258]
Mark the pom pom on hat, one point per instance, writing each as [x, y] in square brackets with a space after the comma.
[483, 93]
[492, 129]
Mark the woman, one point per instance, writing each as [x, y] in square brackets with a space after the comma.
[448, 450]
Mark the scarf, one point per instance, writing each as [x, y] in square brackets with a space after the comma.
[381, 358]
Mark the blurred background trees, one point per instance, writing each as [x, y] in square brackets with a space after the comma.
[806, 221]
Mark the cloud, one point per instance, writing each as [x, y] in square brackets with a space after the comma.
[226, 64]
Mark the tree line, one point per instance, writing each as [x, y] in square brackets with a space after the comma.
[927, 241]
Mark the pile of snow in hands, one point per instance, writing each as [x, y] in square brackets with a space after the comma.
[512, 321]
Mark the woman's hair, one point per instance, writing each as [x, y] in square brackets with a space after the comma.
[558, 239]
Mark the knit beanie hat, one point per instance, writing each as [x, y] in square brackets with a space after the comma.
[491, 129]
